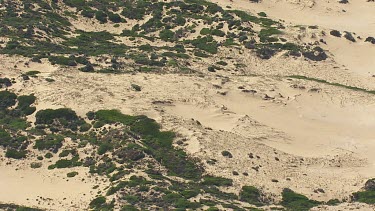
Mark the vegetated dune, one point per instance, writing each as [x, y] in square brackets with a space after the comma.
[249, 115]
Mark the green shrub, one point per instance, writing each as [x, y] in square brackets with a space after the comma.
[167, 35]
[12, 153]
[226, 153]
[131, 199]
[222, 63]
[201, 54]
[250, 195]
[24, 103]
[217, 181]
[101, 16]
[146, 47]
[205, 31]
[114, 116]
[65, 163]
[50, 80]
[5, 138]
[66, 152]
[48, 116]
[49, 142]
[61, 60]
[75, 3]
[211, 69]
[36, 165]
[88, 13]
[217, 32]
[136, 87]
[367, 196]
[5, 82]
[98, 202]
[72, 174]
[296, 202]
[104, 147]
[269, 32]
[262, 14]
[115, 18]
[48, 155]
[7, 99]
[85, 127]
[25, 100]
[129, 208]
[206, 43]
[333, 202]
[32, 73]
[98, 124]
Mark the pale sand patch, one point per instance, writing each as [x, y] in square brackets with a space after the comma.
[359, 15]
[44, 188]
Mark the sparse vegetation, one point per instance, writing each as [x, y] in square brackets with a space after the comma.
[158, 36]
[332, 84]
[297, 202]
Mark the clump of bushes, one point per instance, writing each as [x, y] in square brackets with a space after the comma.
[297, 202]
[370, 39]
[207, 44]
[5, 82]
[49, 115]
[101, 16]
[7, 99]
[214, 32]
[217, 181]
[65, 163]
[72, 174]
[265, 52]
[167, 35]
[36, 165]
[368, 195]
[15, 154]
[335, 33]
[62, 117]
[100, 203]
[49, 142]
[316, 54]
[251, 195]
[349, 36]
[24, 104]
[136, 87]
[226, 154]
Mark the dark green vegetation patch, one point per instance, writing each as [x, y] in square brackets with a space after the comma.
[42, 29]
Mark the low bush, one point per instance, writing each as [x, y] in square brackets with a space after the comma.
[297, 202]
[217, 181]
[7, 99]
[101, 16]
[250, 195]
[64, 117]
[72, 174]
[5, 82]
[226, 154]
[49, 142]
[98, 202]
[335, 33]
[15, 154]
[36, 165]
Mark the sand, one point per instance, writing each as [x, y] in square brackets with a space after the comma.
[302, 135]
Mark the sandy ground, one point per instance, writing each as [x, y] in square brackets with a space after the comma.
[43, 188]
[305, 140]
[281, 132]
[358, 18]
